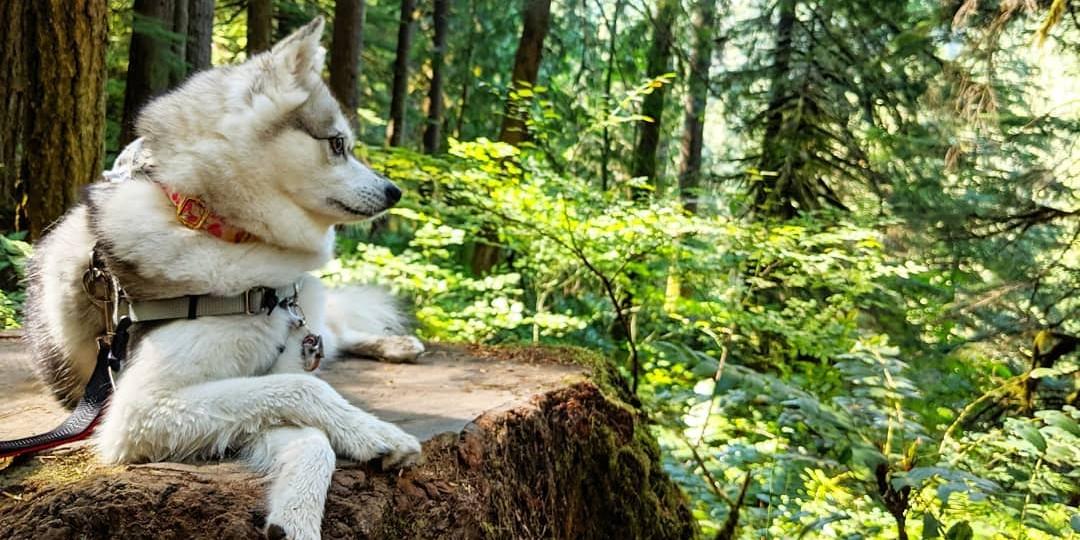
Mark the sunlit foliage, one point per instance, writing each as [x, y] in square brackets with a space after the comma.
[870, 328]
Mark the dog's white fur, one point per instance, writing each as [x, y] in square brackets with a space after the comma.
[243, 139]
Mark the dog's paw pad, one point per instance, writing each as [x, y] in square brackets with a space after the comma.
[276, 532]
[401, 460]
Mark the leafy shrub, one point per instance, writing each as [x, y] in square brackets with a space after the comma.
[765, 351]
[13, 254]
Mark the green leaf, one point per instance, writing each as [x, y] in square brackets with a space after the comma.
[1056, 371]
[960, 531]
[947, 489]
[817, 524]
[1030, 434]
[1038, 522]
[1061, 421]
[931, 527]
[1074, 522]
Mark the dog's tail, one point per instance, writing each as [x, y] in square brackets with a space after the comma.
[60, 323]
[359, 316]
[368, 309]
[64, 357]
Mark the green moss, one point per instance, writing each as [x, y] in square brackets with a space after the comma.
[592, 465]
[21, 479]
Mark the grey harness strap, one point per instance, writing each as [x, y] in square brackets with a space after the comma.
[248, 302]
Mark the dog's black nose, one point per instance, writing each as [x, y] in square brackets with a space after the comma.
[393, 195]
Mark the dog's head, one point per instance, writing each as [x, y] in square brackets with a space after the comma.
[266, 145]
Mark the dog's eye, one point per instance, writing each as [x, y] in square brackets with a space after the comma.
[337, 145]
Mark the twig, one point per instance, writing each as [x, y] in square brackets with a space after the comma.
[993, 393]
[713, 484]
[727, 532]
[1027, 497]
[716, 381]
[609, 288]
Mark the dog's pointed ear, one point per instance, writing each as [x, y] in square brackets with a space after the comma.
[279, 81]
[301, 54]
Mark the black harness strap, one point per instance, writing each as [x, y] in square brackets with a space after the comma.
[112, 351]
[192, 306]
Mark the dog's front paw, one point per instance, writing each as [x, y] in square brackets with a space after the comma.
[403, 450]
[379, 440]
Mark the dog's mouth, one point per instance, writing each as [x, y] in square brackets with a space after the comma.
[351, 210]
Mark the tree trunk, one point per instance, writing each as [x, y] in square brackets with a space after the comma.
[178, 70]
[605, 151]
[260, 26]
[200, 34]
[395, 130]
[64, 126]
[149, 60]
[659, 63]
[467, 80]
[537, 19]
[345, 49]
[697, 96]
[772, 191]
[13, 96]
[432, 132]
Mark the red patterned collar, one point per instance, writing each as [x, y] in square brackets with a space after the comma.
[193, 213]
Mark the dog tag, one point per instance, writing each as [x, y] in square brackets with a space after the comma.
[311, 351]
[297, 314]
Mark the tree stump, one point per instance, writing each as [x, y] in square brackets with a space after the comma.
[519, 442]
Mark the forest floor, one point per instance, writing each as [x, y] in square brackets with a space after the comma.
[519, 442]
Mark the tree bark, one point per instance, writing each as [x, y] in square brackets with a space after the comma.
[772, 192]
[433, 130]
[659, 63]
[200, 34]
[260, 26]
[149, 60]
[697, 96]
[395, 130]
[537, 19]
[64, 124]
[345, 49]
[605, 151]
[178, 68]
[467, 80]
[13, 97]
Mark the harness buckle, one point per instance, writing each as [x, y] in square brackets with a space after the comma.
[249, 305]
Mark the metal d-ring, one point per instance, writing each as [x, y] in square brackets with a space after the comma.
[94, 280]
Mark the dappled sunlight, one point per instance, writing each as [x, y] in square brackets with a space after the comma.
[831, 248]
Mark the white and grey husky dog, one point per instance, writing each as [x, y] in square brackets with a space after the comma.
[264, 145]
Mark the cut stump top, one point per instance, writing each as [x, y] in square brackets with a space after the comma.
[519, 442]
[449, 387]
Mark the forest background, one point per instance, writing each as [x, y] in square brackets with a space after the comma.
[830, 244]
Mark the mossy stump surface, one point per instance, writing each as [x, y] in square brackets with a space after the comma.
[518, 442]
